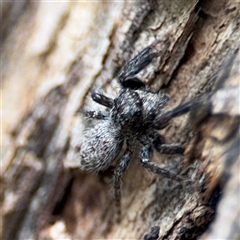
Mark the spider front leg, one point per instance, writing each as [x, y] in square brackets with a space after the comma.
[117, 180]
[100, 115]
[141, 60]
[102, 99]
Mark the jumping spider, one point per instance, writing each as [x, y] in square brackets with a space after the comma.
[136, 114]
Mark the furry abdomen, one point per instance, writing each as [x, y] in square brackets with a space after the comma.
[100, 146]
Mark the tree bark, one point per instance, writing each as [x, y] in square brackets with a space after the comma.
[54, 54]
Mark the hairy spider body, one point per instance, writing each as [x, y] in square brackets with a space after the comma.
[130, 118]
[134, 111]
[134, 115]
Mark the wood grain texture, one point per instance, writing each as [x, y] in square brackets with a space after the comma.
[54, 54]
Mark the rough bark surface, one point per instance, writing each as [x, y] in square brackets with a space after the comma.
[53, 54]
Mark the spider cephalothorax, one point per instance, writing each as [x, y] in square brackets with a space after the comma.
[133, 111]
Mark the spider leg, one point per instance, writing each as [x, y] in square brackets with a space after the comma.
[153, 235]
[160, 146]
[119, 170]
[102, 99]
[163, 120]
[158, 142]
[100, 115]
[173, 148]
[145, 158]
[141, 60]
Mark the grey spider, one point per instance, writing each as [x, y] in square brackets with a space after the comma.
[135, 115]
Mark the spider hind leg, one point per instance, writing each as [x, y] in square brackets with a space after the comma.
[147, 152]
[118, 172]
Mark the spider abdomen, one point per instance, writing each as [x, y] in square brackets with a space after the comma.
[100, 146]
